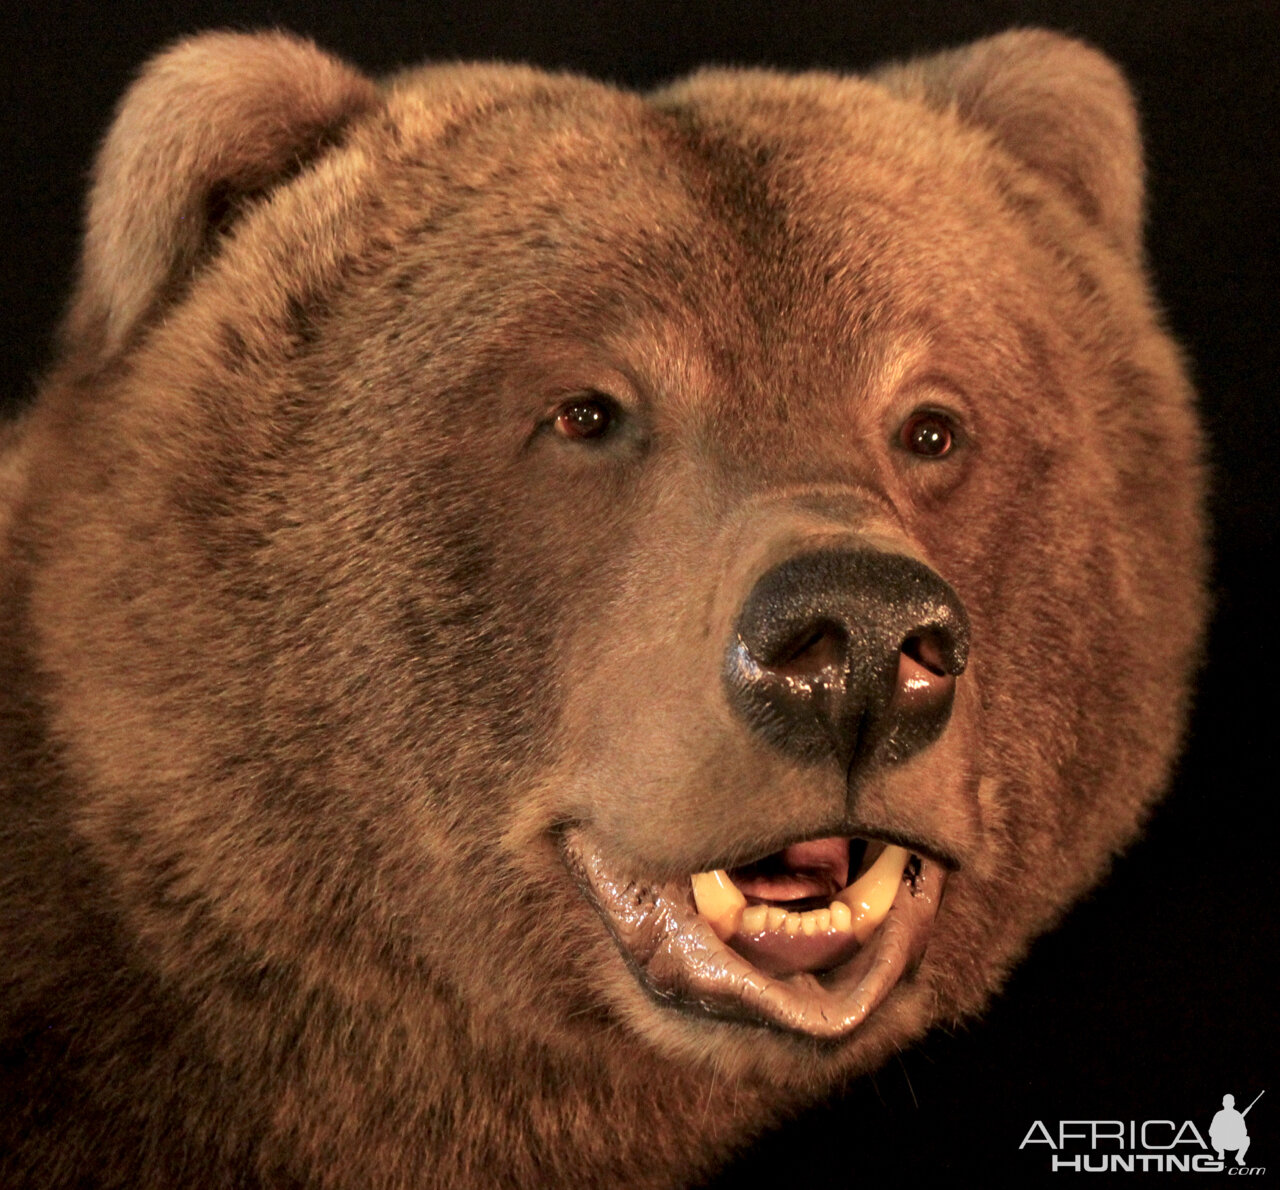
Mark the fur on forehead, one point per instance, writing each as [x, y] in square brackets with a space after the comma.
[220, 120]
[1048, 101]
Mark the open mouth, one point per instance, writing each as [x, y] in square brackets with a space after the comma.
[809, 939]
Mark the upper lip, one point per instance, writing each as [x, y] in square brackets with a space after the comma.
[848, 828]
[678, 958]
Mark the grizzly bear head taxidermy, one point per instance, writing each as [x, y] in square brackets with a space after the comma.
[523, 601]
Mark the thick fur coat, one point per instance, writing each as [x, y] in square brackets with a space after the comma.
[369, 561]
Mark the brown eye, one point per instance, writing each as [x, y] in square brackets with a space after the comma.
[928, 434]
[584, 417]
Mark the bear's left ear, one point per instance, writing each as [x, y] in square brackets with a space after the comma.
[210, 126]
[1057, 105]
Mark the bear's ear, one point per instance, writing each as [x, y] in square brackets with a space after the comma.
[1059, 106]
[211, 124]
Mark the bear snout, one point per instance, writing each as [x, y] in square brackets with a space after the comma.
[847, 654]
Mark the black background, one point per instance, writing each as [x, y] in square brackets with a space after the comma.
[1158, 994]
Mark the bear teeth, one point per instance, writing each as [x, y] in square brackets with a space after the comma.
[857, 909]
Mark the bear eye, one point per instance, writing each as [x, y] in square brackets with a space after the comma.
[585, 417]
[928, 434]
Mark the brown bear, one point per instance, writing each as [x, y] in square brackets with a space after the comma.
[544, 627]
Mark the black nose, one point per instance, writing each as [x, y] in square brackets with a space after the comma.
[848, 654]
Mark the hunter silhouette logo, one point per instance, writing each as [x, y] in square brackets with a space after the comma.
[1228, 1130]
[1143, 1146]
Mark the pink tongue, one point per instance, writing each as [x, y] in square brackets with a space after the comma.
[817, 868]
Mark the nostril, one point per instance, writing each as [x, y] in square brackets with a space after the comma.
[820, 646]
[926, 651]
[921, 685]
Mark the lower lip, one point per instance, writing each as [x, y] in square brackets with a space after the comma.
[782, 956]
[683, 964]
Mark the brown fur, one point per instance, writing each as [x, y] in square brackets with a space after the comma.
[311, 639]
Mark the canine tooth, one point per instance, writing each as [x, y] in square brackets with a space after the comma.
[793, 923]
[753, 919]
[841, 917]
[870, 896]
[809, 923]
[719, 900]
[776, 917]
[872, 853]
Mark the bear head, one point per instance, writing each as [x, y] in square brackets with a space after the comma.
[531, 602]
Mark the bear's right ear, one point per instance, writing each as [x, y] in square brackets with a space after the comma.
[210, 125]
